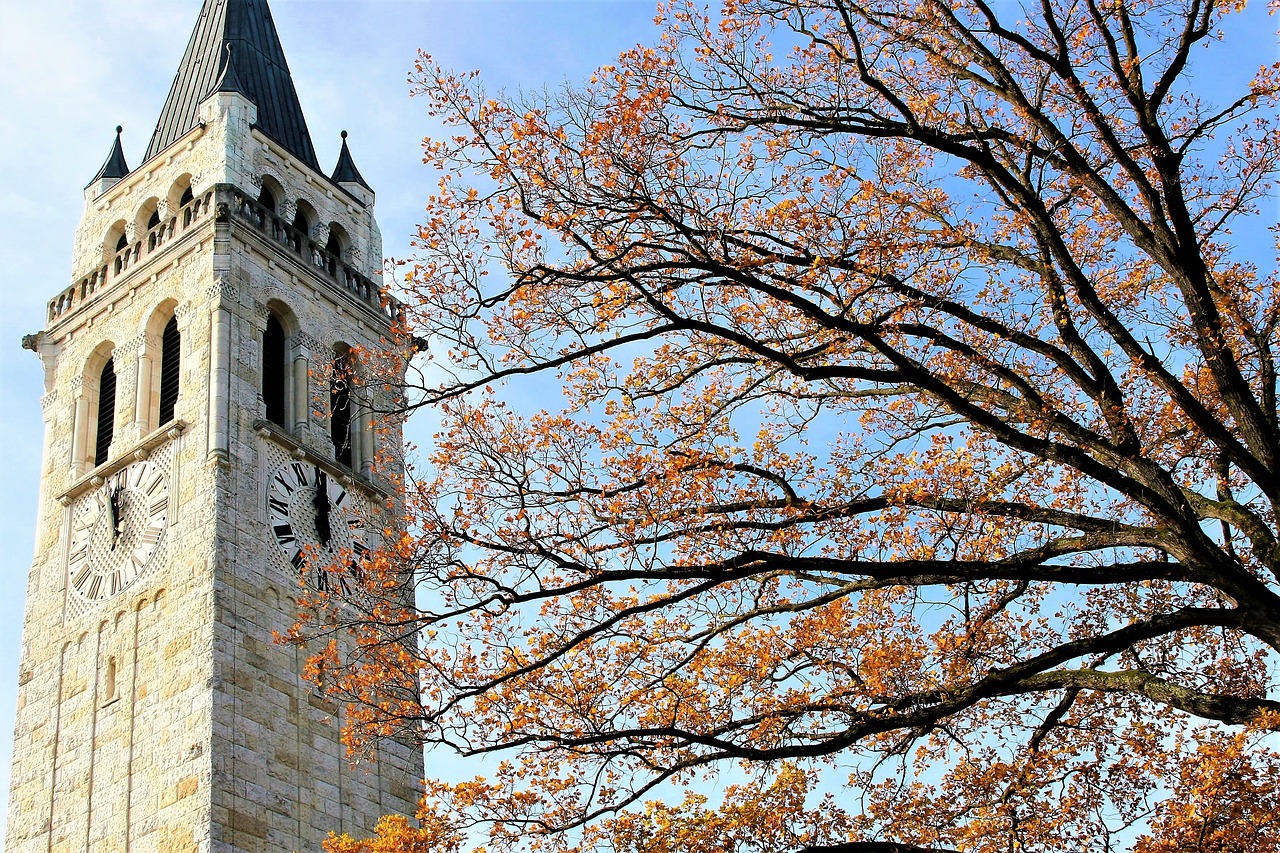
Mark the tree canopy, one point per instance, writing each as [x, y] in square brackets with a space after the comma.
[869, 401]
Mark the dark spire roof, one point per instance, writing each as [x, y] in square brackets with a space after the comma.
[346, 172]
[115, 167]
[260, 73]
[230, 80]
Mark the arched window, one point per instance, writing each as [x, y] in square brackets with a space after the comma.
[340, 409]
[186, 198]
[304, 219]
[170, 369]
[106, 412]
[274, 367]
[267, 199]
[109, 688]
[334, 246]
[122, 243]
[154, 220]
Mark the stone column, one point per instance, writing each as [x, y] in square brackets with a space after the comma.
[79, 429]
[219, 383]
[142, 402]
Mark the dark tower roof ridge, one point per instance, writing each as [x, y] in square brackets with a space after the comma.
[346, 172]
[260, 73]
[115, 166]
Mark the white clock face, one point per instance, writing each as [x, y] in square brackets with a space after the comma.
[314, 520]
[116, 529]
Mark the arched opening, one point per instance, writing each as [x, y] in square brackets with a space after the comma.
[335, 248]
[179, 193]
[275, 346]
[304, 219]
[338, 241]
[115, 247]
[267, 198]
[340, 408]
[170, 369]
[106, 425]
[109, 687]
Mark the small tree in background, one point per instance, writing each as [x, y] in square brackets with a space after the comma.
[867, 399]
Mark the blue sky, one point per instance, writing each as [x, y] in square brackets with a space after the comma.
[71, 70]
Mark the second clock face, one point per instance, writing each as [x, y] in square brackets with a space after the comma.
[116, 529]
[312, 517]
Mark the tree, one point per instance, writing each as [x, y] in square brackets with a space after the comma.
[865, 398]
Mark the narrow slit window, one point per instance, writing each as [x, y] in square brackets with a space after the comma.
[109, 689]
[170, 369]
[340, 410]
[106, 412]
[273, 371]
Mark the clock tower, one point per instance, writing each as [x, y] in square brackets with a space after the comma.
[209, 451]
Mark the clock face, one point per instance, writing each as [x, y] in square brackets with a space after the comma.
[116, 529]
[314, 520]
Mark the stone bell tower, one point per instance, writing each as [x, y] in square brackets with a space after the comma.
[208, 448]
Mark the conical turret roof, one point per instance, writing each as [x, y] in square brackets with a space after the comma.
[259, 72]
[346, 172]
[115, 166]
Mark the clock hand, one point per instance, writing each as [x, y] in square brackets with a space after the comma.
[323, 530]
[113, 503]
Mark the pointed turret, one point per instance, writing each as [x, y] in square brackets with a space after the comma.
[346, 172]
[115, 166]
[259, 72]
[229, 82]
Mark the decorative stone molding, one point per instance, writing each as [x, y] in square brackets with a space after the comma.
[130, 346]
[286, 209]
[221, 290]
[308, 342]
[48, 400]
[320, 235]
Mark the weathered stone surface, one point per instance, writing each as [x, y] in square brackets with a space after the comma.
[164, 718]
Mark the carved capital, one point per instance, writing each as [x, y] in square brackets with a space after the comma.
[221, 291]
[128, 347]
[308, 342]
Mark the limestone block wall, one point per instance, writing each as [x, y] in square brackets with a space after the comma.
[165, 718]
[113, 730]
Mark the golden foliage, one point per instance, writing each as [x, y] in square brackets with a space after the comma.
[866, 396]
